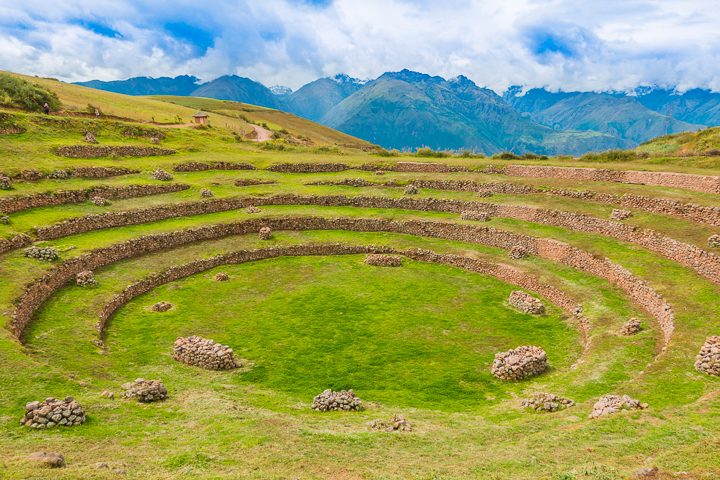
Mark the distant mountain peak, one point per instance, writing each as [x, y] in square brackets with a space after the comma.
[281, 90]
[344, 78]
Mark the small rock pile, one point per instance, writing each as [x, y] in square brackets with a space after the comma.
[47, 254]
[222, 277]
[48, 459]
[59, 174]
[162, 306]
[395, 424]
[714, 241]
[382, 260]
[411, 190]
[162, 175]
[204, 353]
[547, 402]
[618, 214]
[631, 327]
[708, 360]
[4, 219]
[379, 172]
[252, 209]
[265, 233]
[99, 201]
[90, 137]
[519, 363]
[609, 404]
[53, 412]
[343, 400]
[526, 303]
[206, 193]
[475, 215]
[86, 278]
[145, 391]
[647, 473]
[517, 252]
[5, 183]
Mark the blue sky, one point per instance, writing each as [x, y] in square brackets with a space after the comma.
[561, 44]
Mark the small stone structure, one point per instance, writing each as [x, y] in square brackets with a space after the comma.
[47, 254]
[265, 233]
[204, 353]
[162, 306]
[48, 459]
[708, 360]
[546, 402]
[162, 175]
[526, 303]
[206, 193]
[252, 209]
[714, 241]
[99, 201]
[609, 404]
[145, 391]
[52, 413]
[396, 423]
[517, 252]
[247, 182]
[343, 400]
[619, 214]
[86, 278]
[383, 260]
[410, 190]
[5, 183]
[222, 277]
[90, 137]
[631, 327]
[519, 363]
[475, 215]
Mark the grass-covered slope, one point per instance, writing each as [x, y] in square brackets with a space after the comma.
[706, 142]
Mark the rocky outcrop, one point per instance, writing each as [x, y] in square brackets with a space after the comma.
[203, 166]
[46, 254]
[204, 353]
[519, 363]
[610, 404]
[547, 402]
[396, 423]
[343, 400]
[47, 459]
[86, 278]
[708, 360]
[96, 151]
[631, 327]
[161, 306]
[383, 260]
[145, 391]
[52, 413]
[526, 303]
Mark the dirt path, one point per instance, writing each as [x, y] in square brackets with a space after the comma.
[262, 134]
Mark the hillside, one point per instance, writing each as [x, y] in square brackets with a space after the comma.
[705, 142]
[315, 99]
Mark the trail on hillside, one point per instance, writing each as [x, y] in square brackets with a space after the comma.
[261, 134]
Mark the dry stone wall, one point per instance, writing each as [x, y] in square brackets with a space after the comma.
[308, 167]
[203, 166]
[75, 172]
[708, 360]
[97, 151]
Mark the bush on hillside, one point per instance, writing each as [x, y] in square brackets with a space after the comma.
[19, 93]
[429, 152]
[613, 156]
[506, 156]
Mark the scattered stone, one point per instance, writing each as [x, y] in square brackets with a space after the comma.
[108, 394]
[90, 137]
[162, 175]
[52, 413]
[86, 279]
[647, 473]
[222, 277]
[610, 404]
[155, 140]
[265, 233]
[474, 215]
[618, 214]
[145, 391]
[252, 209]
[5, 183]
[59, 174]
[411, 190]
[518, 251]
[526, 303]
[395, 424]
[547, 402]
[206, 193]
[162, 306]
[382, 260]
[46, 254]
[101, 466]
[714, 241]
[99, 201]
[708, 360]
[631, 327]
[4, 219]
[343, 400]
[204, 353]
[379, 172]
[519, 363]
[48, 459]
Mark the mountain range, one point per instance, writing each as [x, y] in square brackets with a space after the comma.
[408, 110]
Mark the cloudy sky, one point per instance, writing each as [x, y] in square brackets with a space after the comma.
[561, 44]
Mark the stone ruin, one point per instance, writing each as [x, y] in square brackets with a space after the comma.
[206, 193]
[252, 209]
[396, 423]
[5, 183]
[526, 303]
[204, 353]
[162, 175]
[265, 233]
[519, 363]
[222, 277]
[631, 327]
[708, 360]
[145, 391]
[411, 190]
[46, 254]
[99, 201]
[714, 241]
[382, 260]
[48, 459]
[609, 404]
[517, 252]
[86, 278]
[619, 214]
[90, 137]
[547, 402]
[475, 215]
[52, 413]
[161, 306]
[343, 400]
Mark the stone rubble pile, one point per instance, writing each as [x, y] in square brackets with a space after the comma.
[382, 260]
[519, 363]
[252, 209]
[708, 360]
[631, 327]
[396, 423]
[714, 241]
[4, 220]
[411, 190]
[265, 233]
[609, 404]
[222, 277]
[517, 252]
[343, 400]
[160, 174]
[99, 201]
[145, 391]
[86, 278]
[526, 303]
[475, 215]
[619, 214]
[162, 306]
[5, 183]
[547, 402]
[90, 137]
[47, 254]
[206, 193]
[247, 182]
[204, 353]
[53, 412]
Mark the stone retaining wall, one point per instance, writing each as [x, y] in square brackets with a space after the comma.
[96, 151]
[308, 167]
[203, 166]
[75, 172]
[14, 242]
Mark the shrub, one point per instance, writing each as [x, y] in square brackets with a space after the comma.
[19, 93]
[429, 152]
[506, 156]
[381, 152]
[610, 156]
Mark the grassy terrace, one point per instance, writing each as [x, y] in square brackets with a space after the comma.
[416, 340]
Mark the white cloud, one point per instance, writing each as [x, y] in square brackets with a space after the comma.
[562, 44]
